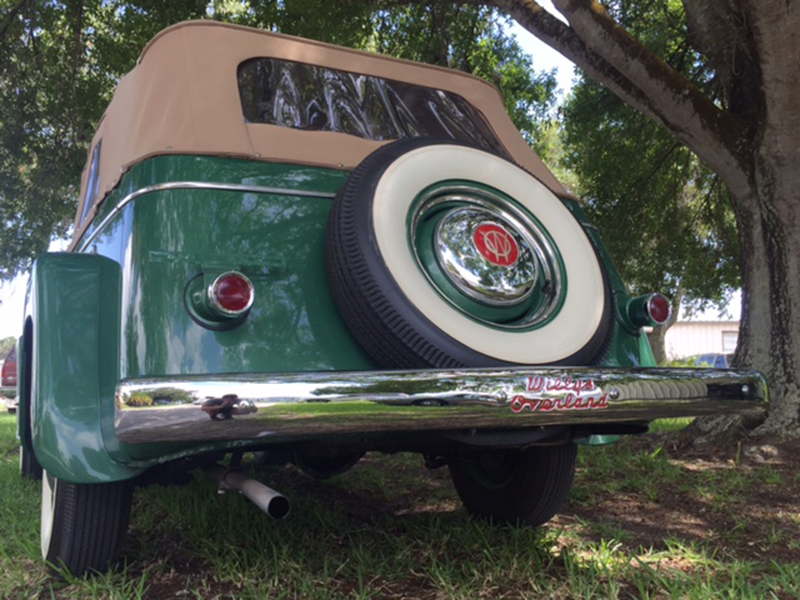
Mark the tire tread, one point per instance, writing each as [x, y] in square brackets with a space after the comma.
[89, 526]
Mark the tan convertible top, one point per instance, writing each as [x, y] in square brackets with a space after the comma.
[183, 98]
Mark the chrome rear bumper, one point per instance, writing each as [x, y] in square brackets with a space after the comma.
[279, 406]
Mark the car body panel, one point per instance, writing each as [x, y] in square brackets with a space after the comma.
[75, 303]
[276, 239]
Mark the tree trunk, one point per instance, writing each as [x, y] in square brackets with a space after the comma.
[769, 219]
[770, 331]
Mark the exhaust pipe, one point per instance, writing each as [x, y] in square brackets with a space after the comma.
[271, 502]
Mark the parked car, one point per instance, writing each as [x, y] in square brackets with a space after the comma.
[721, 360]
[311, 252]
[9, 380]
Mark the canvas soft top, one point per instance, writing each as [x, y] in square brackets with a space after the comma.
[183, 98]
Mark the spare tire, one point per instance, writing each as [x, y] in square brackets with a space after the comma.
[443, 255]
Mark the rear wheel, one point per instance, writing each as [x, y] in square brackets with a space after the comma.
[516, 486]
[83, 525]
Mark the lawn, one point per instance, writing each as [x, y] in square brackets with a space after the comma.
[645, 521]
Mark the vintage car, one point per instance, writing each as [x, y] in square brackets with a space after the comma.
[309, 252]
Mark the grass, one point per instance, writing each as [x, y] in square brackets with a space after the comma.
[391, 529]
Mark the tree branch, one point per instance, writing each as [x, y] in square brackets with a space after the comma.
[9, 17]
[610, 55]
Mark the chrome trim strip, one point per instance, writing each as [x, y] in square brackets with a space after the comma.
[275, 406]
[198, 185]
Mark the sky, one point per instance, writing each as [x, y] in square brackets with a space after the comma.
[545, 58]
[12, 294]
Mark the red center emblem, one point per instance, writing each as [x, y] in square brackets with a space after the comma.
[496, 245]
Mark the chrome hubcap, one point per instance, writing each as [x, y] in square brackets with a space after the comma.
[484, 257]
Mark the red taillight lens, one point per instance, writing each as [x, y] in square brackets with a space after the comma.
[231, 293]
[659, 309]
[650, 310]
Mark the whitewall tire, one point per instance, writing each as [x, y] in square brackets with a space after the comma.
[418, 289]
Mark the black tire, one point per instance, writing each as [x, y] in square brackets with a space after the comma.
[29, 467]
[516, 486]
[83, 525]
[396, 309]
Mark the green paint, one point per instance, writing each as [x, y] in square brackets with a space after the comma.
[23, 376]
[629, 346]
[75, 344]
[646, 352]
[166, 239]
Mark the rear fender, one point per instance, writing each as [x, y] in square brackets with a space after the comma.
[75, 350]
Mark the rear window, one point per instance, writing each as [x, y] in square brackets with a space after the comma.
[311, 98]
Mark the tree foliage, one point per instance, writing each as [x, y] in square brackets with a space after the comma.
[666, 217]
[471, 39]
[5, 345]
[60, 60]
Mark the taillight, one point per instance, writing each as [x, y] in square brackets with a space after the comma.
[649, 310]
[219, 302]
[231, 294]
[659, 309]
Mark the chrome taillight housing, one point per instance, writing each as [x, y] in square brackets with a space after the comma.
[219, 301]
[650, 310]
[230, 294]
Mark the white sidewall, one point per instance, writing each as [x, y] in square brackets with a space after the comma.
[581, 314]
[49, 491]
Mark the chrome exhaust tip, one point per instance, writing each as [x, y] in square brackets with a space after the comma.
[273, 503]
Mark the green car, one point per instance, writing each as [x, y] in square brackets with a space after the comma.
[308, 252]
